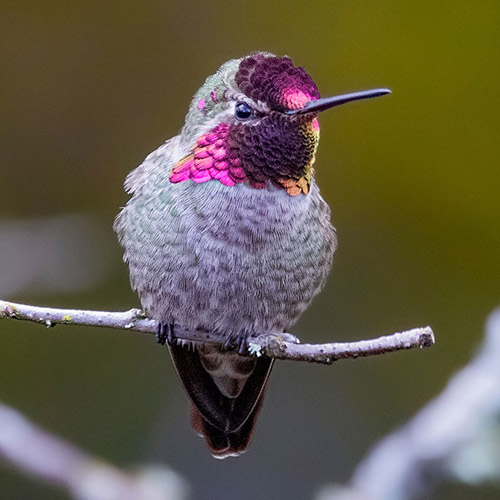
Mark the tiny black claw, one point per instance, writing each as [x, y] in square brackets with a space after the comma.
[162, 333]
[170, 335]
[242, 345]
[236, 342]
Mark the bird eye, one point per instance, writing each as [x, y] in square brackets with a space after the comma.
[243, 111]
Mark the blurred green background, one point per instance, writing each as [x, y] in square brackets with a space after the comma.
[88, 89]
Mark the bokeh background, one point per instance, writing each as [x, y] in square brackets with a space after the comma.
[88, 89]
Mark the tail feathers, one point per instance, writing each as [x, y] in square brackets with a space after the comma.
[225, 422]
[226, 444]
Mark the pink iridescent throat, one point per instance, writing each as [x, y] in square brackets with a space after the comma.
[209, 160]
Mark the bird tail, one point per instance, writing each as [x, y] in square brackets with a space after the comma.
[227, 392]
[224, 444]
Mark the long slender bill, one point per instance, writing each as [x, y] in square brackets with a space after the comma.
[330, 102]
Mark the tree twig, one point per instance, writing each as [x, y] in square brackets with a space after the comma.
[284, 346]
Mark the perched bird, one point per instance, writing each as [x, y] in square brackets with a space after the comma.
[226, 232]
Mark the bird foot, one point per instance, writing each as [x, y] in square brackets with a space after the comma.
[165, 333]
[286, 337]
[256, 344]
[278, 337]
[239, 343]
[252, 345]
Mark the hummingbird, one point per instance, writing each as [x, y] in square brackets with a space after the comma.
[226, 232]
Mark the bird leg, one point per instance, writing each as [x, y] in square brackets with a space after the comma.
[165, 333]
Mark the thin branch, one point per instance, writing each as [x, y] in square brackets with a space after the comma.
[283, 346]
[38, 453]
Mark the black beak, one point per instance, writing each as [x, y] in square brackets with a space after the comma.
[330, 102]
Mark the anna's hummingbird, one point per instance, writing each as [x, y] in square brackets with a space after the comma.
[226, 231]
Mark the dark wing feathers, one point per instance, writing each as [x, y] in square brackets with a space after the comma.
[226, 423]
[224, 444]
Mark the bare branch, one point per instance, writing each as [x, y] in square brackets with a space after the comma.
[285, 346]
[38, 453]
[134, 319]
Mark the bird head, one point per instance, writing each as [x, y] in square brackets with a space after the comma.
[255, 122]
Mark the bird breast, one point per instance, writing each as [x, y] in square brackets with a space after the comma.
[232, 259]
